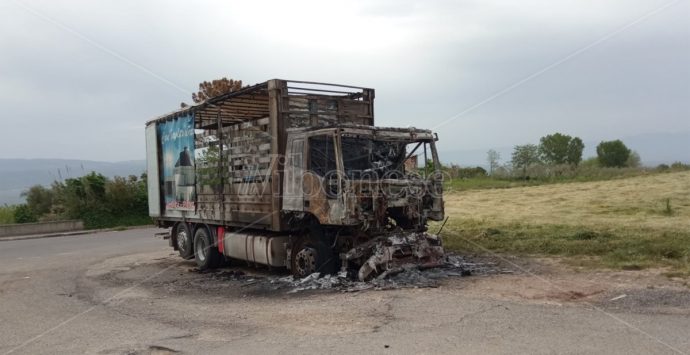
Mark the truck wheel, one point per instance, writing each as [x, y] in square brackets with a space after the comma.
[183, 239]
[310, 254]
[205, 253]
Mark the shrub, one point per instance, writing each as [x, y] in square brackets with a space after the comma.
[678, 166]
[633, 160]
[7, 214]
[93, 198]
[23, 214]
[39, 199]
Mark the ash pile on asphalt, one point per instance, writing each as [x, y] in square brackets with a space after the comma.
[407, 276]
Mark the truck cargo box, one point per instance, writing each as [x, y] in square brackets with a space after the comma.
[220, 161]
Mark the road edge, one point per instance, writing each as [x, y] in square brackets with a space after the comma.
[68, 234]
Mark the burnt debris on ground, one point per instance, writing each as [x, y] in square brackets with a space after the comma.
[242, 280]
[405, 276]
[394, 253]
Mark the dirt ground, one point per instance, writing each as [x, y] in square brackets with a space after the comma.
[546, 281]
[323, 313]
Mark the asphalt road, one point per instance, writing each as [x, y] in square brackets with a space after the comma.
[127, 293]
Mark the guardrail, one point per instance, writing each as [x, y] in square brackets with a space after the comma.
[11, 230]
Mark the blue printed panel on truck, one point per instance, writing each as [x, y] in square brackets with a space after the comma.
[177, 145]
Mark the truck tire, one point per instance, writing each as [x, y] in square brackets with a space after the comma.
[183, 240]
[311, 254]
[205, 252]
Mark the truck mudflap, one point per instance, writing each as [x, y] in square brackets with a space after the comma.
[388, 254]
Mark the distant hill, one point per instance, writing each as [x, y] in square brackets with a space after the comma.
[654, 149]
[16, 175]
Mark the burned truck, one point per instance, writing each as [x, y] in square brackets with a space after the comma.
[293, 174]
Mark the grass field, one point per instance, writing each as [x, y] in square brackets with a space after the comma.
[580, 175]
[629, 223]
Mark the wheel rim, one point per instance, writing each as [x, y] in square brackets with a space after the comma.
[182, 239]
[201, 249]
[305, 261]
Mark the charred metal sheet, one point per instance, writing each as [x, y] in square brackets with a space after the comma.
[315, 198]
[386, 254]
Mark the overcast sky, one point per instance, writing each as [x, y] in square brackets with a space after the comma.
[78, 79]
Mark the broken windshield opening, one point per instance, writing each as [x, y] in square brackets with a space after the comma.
[322, 155]
[365, 158]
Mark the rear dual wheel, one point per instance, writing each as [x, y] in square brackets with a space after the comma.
[206, 252]
[183, 240]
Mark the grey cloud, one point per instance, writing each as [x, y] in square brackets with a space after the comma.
[431, 61]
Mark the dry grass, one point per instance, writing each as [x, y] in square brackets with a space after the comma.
[633, 222]
[633, 202]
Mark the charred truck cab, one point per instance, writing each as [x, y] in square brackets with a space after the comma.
[294, 174]
[355, 176]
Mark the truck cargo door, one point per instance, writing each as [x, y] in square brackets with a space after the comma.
[153, 180]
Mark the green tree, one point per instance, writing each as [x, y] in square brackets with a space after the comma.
[82, 197]
[22, 214]
[612, 153]
[557, 149]
[120, 195]
[553, 148]
[575, 148]
[524, 156]
[39, 200]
